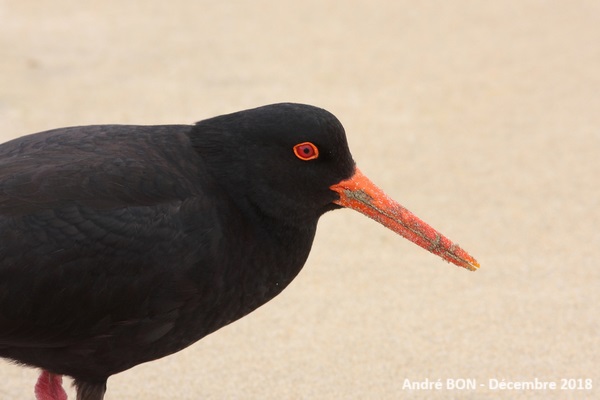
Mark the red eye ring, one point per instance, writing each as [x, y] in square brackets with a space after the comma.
[306, 151]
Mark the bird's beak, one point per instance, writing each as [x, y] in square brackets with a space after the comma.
[360, 194]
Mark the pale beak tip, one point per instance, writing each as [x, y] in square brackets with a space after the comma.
[473, 265]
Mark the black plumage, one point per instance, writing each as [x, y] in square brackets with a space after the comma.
[123, 244]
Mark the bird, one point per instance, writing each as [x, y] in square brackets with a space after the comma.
[123, 244]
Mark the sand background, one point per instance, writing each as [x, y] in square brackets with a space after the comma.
[483, 118]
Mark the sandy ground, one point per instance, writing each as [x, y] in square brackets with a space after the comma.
[481, 117]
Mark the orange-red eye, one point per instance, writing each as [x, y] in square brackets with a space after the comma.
[306, 151]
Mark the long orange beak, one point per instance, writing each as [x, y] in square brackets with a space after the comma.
[360, 194]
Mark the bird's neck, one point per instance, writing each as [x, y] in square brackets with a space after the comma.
[274, 255]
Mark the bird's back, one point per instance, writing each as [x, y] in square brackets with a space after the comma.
[105, 233]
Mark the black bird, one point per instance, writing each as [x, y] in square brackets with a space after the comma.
[123, 244]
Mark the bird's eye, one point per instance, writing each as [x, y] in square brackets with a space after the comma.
[306, 151]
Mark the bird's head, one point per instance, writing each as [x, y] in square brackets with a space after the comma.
[292, 162]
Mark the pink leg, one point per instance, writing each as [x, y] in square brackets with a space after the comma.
[49, 387]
